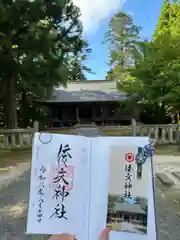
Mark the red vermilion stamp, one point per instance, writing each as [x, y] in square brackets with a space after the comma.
[63, 176]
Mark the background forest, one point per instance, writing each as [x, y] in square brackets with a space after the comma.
[148, 70]
[42, 46]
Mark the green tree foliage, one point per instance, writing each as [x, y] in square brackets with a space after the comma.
[163, 21]
[169, 21]
[37, 39]
[121, 37]
[77, 66]
[155, 76]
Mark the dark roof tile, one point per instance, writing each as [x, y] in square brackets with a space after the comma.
[86, 96]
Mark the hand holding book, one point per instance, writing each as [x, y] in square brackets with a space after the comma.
[104, 236]
[74, 177]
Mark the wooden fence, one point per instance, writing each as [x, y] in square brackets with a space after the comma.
[159, 134]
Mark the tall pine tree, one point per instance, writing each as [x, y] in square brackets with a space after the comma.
[157, 73]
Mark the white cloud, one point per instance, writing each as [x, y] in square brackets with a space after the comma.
[93, 11]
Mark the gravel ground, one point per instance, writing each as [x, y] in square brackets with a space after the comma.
[167, 212]
[13, 209]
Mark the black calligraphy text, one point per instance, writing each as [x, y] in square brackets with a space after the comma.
[128, 181]
[61, 181]
[40, 192]
[64, 154]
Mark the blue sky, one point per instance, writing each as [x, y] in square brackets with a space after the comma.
[145, 13]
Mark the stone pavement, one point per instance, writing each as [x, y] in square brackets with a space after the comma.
[167, 169]
[14, 199]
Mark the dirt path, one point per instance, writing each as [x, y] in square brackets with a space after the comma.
[14, 172]
[13, 205]
[14, 198]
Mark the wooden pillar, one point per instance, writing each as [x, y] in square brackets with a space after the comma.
[102, 115]
[92, 116]
[93, 109]
[36, 126]
[77, 115]
[133, 123]
[136, 112]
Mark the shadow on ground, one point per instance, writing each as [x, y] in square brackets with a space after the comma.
[13, 205]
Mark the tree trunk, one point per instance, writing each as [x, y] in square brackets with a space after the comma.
[178, 117]
[10, 103]
[23, 107]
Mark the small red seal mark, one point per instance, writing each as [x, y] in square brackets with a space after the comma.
[129, 157]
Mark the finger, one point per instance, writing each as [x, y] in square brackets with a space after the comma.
[105, 234]
[62, 237]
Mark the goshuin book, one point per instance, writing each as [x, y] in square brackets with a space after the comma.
[80, 185]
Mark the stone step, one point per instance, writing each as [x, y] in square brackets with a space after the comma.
[176, 174]
[165, 180]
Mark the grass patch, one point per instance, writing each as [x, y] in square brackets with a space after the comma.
[13, 157]
[107, 131]
[168, 149]
[117, 132]
[60, 131]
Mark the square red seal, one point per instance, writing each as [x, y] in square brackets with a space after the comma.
[63, 176]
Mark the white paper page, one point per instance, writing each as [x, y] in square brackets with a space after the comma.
[43, 218]
[99, 203]
[98, 186]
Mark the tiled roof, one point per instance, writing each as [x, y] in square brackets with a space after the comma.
[86, 96]
[133, 208]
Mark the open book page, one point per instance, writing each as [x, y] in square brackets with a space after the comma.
[98, 187]
[130, 206]
[59, 191]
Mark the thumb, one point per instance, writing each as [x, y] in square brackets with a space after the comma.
[62, 237]
[105, 234]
